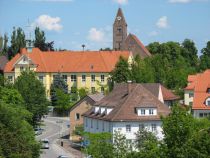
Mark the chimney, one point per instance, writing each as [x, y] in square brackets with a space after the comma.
[129, 86]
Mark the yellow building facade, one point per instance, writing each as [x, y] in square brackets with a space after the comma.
[88, 69]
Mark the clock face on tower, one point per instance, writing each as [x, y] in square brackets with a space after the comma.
[119, 18]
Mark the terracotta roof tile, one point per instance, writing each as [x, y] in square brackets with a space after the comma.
[71, 61]
[200, 83]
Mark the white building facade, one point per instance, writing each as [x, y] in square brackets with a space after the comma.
[127, 109]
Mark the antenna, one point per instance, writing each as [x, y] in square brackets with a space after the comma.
[83, 47]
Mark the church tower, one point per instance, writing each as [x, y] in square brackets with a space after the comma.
[119, 31]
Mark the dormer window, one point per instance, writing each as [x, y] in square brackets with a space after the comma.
[151, 112]
[207, 102]
[142, 111]
[96, 109]
[146, 111]
[208, 90]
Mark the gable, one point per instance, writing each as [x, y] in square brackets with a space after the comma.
[24, 60]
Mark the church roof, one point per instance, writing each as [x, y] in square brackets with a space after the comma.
[70, 61]
[139, 44]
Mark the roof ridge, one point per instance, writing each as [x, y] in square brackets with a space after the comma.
[124, 103]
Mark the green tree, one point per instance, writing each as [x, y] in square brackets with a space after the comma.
[142, 72]
[177, 129]
[58, 83]
[3, 44]
[205, 57]
[121, 148]
[121, 72]
[189, 52]
[62, 104]
[100, 145]
[17, 137]
[17, 42]
[33, 93]
[40, 40]
[185, 136]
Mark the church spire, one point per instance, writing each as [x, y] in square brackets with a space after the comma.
[120, 16]
[119, 31]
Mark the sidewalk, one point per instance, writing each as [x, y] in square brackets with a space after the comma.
[68, 148]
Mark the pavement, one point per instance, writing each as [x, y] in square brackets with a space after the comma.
[54, 129]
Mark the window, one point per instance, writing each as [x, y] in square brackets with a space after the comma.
[83, 78]
[41, 78]
[77, 116]
[64, 78]
[103, 125]
[73, 78]
[10, 78]
[91, 123]
[190, 103]
[93, 90]
[208, 102]
[208, 90]
[151, 112]
[55, 77]
[96, 124]
[21, 68]
[102, 89]
[128, 128]
[102, 78]
[119, 30]
[142, 111]
[141, 126]
[201, 115]
[86, 122]
[191, 94]
[24, 59]
[93, 78]
[154, 128]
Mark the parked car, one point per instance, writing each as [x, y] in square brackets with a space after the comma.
[45, 144]
[38, 131]
[63, 156]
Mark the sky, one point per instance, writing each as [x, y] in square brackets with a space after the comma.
[71, 23]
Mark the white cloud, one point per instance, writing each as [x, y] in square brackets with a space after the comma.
[186, 1]
[121, 2]
[48, 23]
[153, 33]
[162, 22]
[96, 35]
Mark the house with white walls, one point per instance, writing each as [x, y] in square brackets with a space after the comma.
[197, 94]
[130, 107]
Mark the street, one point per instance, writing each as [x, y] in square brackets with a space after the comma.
[55, 127]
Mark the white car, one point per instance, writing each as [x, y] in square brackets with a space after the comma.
[63, 156]
[45, 144]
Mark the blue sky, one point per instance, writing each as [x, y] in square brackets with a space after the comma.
[70, 23]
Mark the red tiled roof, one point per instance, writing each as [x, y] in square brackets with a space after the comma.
[200, 84]
[71, 61]
[168, 95]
